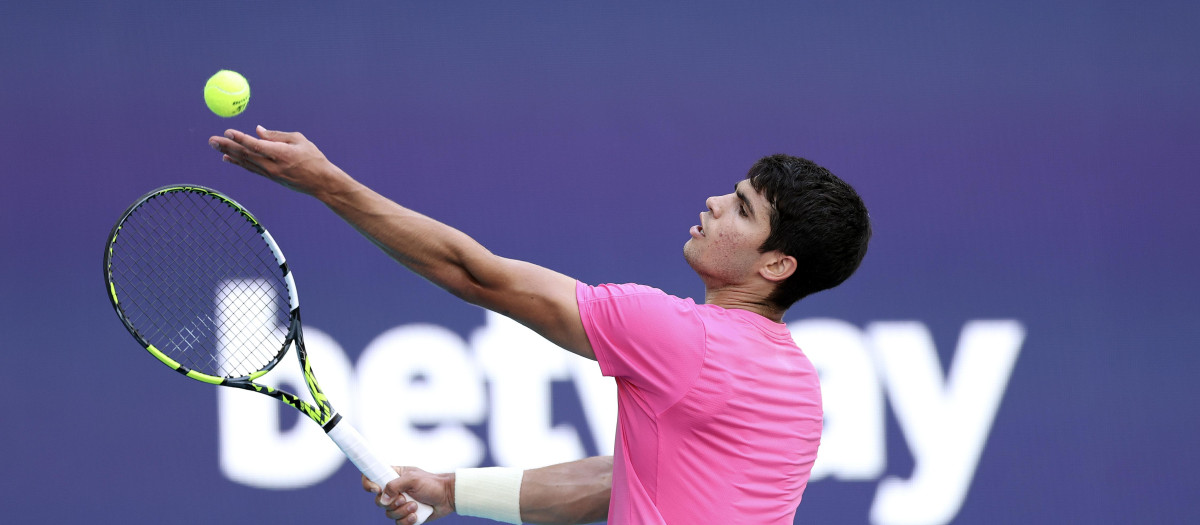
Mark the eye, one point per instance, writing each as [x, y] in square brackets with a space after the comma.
[742, 210]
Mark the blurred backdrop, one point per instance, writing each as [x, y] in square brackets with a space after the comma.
[1018, 347]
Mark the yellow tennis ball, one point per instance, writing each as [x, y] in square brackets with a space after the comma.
[227, 93]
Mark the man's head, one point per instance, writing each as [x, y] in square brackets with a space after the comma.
[816, 218]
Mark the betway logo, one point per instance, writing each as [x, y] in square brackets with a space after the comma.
[945, 419]
[416, 388]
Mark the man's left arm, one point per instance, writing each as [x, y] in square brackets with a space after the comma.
[539, 298]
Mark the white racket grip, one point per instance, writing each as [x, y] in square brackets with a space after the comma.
[356, 448]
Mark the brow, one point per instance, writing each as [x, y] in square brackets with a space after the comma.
[742, 197]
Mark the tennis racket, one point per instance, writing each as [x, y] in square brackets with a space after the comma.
[203, 287]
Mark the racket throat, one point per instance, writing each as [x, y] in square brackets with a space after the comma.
[333, 421]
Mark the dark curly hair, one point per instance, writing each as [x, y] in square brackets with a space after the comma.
[816, 218]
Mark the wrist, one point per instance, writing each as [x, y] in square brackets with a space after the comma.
[336, 185]
[493, 493]
[450, 481]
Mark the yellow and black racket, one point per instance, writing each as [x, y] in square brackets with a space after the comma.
[204, 288]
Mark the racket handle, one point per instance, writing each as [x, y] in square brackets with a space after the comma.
[356, 448]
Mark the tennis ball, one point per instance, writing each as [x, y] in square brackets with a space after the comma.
[227, 93]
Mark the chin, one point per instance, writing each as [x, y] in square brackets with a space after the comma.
[693, 259]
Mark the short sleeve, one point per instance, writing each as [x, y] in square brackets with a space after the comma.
[652, 340]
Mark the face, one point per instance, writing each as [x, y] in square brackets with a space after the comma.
[723, 248]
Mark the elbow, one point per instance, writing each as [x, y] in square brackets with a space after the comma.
[462, 281]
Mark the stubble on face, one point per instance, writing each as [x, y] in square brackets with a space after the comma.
[722, 257]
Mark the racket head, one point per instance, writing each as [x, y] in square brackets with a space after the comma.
[201, 285]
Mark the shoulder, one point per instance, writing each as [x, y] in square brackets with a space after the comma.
[633, 304]
[617, 290]
[604, 291]
[630, 295]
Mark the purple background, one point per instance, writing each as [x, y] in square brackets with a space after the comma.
[1022, 160]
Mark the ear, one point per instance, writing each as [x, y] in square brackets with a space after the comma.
[777, 267]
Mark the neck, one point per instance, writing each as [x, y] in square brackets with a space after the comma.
[743, 300]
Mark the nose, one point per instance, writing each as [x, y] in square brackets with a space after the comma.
[710, 203]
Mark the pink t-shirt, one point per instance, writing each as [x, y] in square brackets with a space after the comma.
[719, 412]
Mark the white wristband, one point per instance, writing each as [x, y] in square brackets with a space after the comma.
[492, 492]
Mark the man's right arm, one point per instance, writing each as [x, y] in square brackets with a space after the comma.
[574, 492]
[568, 493]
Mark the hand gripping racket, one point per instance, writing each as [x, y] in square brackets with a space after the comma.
[204, 288]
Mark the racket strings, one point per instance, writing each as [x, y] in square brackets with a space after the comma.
[196, 279]
[250, 340]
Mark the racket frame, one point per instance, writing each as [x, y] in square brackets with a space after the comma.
[320, 411]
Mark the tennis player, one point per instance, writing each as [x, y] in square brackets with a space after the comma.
[719, 411]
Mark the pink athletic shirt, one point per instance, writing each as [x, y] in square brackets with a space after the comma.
[719, 412]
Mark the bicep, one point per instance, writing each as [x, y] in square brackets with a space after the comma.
[537, 297]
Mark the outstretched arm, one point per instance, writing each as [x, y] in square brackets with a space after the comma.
[537, 297]
[567, 493]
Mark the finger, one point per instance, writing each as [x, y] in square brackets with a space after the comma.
[223, 144]
[370, 486]
[286, 137]
[230, 147]
[373, 488]
[402, 510]
[233, 148]
[246, 164]
[248, 143]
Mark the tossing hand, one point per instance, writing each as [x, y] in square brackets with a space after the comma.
[287, 158]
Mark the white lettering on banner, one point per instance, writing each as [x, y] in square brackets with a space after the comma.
[420, 375]
[520, 365]
[254, 449]
[417, 387]
[945, 424]
[853, 445]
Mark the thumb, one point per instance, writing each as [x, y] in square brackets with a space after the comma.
[267, 133]
[278, 136]
[394, 490]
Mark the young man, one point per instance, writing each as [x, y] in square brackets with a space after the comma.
[719, 410]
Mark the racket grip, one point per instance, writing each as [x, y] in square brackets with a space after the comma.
[356, 448]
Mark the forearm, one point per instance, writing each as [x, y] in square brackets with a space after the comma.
[433, 250]
[574, 492]
[541, 299]
[444, 255]
[567, 493]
